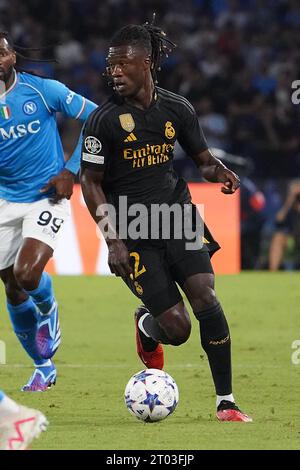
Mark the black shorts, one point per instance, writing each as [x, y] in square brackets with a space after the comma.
[159, 265]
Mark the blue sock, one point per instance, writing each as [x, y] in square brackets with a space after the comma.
[43, 295]
[2, 395]
[23, 318]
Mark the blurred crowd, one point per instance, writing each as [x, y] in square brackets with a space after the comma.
[236, 61]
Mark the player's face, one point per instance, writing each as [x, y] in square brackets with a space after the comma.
[128, 66]
[7, 60]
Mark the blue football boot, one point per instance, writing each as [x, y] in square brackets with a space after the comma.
[42, 378]
[48, 336]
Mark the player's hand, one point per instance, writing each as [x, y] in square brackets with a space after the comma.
[294, 191]
[231, 181]
[62, 183]
[118, 258]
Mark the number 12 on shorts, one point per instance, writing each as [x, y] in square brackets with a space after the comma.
[138, 270]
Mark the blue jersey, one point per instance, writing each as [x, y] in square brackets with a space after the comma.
[30, 147]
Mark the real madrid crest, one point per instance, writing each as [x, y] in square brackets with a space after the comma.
[127, 122]
[169, 130]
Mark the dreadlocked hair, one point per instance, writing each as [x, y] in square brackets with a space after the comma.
[17, 49]
[150, 37]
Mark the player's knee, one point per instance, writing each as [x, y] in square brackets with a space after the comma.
[27, 277]
[179, 329]
[205, 298]
[180, 337]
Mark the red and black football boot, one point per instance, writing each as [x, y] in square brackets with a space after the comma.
[228, 411]
[150, 351]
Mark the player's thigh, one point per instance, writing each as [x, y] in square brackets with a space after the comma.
[151, 281]
[45, 221]
[41, 230]
[194, 273]
[189, 251]
[184, 263]
[30, 262]
[11, 215]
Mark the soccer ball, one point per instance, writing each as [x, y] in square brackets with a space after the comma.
[151, 395]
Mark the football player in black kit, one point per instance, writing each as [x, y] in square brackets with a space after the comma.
[128, 151]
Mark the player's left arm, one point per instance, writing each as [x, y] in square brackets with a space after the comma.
[59, 98]
[213, 170]
[193, 141]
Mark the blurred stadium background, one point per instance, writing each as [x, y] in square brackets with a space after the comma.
[236, 62]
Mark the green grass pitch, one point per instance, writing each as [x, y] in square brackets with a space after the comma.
[97, 357]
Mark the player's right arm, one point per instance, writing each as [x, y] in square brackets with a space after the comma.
[91, 179]
[59, 98]
[118, 255]
[192, 140]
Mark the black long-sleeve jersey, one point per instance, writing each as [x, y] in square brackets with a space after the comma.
[134, 148]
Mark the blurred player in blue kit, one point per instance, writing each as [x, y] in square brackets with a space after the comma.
[35, 186]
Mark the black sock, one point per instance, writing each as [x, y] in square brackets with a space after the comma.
[148, 343]
[215, 340]
[157, 334]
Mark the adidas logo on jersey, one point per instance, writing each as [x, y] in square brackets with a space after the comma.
[130, 138]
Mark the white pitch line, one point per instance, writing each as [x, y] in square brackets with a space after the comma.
[127, 366]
